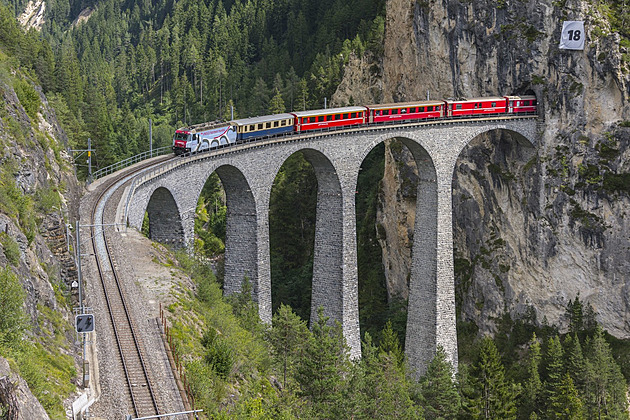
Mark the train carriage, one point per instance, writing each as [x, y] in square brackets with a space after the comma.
[476, 106]
[521, 104]
[267, 125]
[327, 118]
[200, 137]
[405, 111]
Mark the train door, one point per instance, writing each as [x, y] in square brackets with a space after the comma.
[510, 106]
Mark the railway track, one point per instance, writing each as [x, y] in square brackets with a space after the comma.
[142, 400]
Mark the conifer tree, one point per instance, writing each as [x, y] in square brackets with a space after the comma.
[276, 105]
[575, 363]
[440, 397]
[532, 387]
[324, 364]
[287, 336]
[567, 405]
[606, 395]
[491, 396]
[390, 343]
[379, 387]
[576, 315]
[554, 374]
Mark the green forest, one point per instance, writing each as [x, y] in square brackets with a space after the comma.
[185, 62]
[241, 368]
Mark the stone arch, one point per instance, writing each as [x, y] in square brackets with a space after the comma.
[165, 222]
[504, 145]
[423, 326]
[327, 285]
[241, 238]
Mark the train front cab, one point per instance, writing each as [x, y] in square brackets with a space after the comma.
[180, 142]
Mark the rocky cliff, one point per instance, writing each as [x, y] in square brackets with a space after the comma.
[38, 197]
[532, 227]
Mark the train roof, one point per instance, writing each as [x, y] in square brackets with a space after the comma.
[525, 97]
[405, 104]
[204, 126]
[481, 99]
[329, 111]
[262, 119]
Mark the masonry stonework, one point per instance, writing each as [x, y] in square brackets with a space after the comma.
[247, 174]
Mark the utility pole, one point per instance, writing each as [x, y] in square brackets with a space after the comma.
[150, 138]
[89, 151]
[89, 159]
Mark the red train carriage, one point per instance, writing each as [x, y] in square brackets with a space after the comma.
[405, 111]
[326, 118]
[520, 104]
[476, 106]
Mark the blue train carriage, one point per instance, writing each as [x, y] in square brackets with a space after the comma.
[267, 125]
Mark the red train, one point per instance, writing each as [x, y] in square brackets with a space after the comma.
[185, 140]
[409, 111]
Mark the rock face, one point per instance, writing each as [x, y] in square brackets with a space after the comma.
[16, 398]
[532, 228]
[39, 195]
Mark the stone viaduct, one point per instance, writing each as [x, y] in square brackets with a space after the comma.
[169, 194]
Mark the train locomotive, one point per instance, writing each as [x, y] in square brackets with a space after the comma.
[208, 136]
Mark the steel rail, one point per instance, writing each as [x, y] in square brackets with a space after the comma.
[115, 299]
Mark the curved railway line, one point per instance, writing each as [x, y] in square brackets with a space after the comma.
[142, 399]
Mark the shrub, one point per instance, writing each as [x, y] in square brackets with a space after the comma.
[11, 248]
[29, 98]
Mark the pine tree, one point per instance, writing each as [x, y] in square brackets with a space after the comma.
[576, 315]
[532, 387]
[554, 375]
[276, 105]
[575, 363]
[606, 386]
[287, 336]
[567, 405]
[379, 388]
[324, 364]
[491, 396]
[440, 397]
[390, 343]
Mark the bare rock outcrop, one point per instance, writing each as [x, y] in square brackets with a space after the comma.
[532, 228]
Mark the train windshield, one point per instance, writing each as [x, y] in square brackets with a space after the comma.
[180, 136]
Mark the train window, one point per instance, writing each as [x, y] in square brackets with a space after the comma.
[403, 111]
[268, 125]
[260, 126]
[276, 123]
[494, 104]
[353, 115]
[252, 127]
[421, 109]
[328, 117]
[386, 112]
[320, 118]
[337, 116]
[394, 112]
[458, 106]
[430, 108]
[360, 114]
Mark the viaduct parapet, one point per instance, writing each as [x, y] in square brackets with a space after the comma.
[169, 195]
